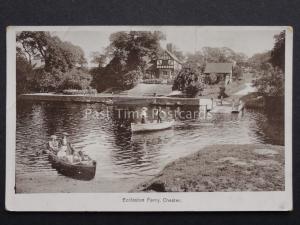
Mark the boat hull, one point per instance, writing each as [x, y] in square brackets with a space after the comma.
[147, 127]
[78, 171]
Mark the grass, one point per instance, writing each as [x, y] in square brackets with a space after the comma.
[223, 168]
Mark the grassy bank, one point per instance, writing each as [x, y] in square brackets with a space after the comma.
[254, 167]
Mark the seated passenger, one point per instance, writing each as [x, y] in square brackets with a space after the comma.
[62, 153]
[53, 144]
[76, 157]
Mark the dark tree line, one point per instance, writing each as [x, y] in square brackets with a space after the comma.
[45, 63]
[270, 68]
[127, 56]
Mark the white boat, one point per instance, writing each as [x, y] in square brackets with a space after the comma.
[154, 126]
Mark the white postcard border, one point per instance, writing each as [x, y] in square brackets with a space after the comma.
[197, 201]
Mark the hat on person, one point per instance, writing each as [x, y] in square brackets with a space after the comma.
[144, 108]
[65, 133]
[53, 136]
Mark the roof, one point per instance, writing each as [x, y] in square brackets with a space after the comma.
[171, 55]
[150, 67]
[218, 68]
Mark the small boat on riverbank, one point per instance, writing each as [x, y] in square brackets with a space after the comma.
[154, 126]
[83, 170]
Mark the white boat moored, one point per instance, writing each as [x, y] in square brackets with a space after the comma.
[154, 126]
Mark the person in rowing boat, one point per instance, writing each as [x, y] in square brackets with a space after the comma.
[53, 144]
[144, 115]
[64, 151]
[159, 115]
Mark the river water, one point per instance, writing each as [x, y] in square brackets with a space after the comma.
[123, 159]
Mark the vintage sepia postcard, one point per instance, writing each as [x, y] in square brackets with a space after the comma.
[149, 118]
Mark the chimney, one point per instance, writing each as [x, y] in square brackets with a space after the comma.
[170, 47]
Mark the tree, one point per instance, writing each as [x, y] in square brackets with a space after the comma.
[98, 59]
[270, 77]
[270, 81]
[129, 80]
[195, 61]
[76, 79]
[24, 73]
[63, 64]
[223, 54]
[54, 53]
[278, 51]
[258, 59]
[45, 81]
[135, 48]
[129, 53]
[188, 82]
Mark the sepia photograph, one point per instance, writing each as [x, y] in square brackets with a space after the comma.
[147, 114]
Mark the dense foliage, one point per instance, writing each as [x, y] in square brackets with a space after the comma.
[256, 60]
[270, 70]
[278, 51]
[270, 81]
[45, 63]
[129, 53]
[198, 60]
[188, 81]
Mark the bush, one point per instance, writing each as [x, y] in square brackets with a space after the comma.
[188, 82]
[47, 81]
[270, 81]
[75, 79]
[56, 80]
[129, 79]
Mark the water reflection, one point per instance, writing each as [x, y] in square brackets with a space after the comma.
[119, 153]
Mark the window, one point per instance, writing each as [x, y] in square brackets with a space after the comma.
[159, 62]
[165, 62]
[165, 73]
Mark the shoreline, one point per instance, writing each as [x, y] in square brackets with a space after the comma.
[222, 168]
[111, 99]
[40, 182]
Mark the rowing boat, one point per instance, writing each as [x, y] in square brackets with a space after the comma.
[83, 170]
[154, 126]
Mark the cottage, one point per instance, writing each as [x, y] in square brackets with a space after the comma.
[222, 70]
[166, 66]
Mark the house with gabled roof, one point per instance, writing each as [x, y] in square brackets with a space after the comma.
[166, 66]
[222, 70]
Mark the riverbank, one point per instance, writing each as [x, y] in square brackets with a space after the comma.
[222, 168]
[111, 99]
